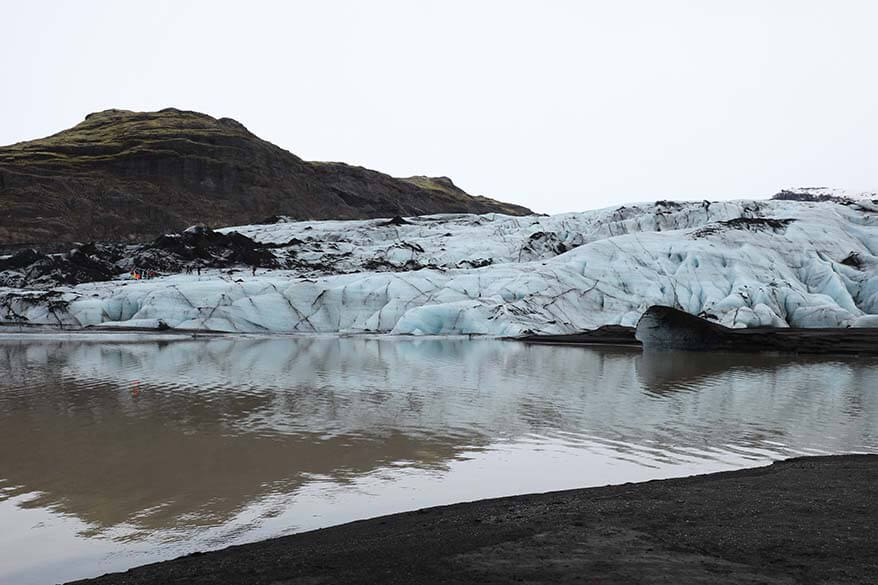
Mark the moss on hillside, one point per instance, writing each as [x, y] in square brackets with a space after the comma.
[123, 175]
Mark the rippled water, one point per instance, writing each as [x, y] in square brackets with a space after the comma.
[119, 451]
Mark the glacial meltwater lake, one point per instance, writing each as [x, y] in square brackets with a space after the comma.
[121, 450]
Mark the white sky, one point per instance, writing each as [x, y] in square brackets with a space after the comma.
[560, 106]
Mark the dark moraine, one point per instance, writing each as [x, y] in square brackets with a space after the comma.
[605, 335]
[667, 328]
[806, 520]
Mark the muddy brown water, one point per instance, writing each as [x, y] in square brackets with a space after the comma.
[121, 450]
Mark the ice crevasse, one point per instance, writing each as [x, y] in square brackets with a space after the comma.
[744, 264]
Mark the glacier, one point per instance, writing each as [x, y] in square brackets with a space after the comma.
[746, 263]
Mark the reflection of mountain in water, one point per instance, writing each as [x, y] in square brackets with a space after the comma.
[191, 432]
[106, 434]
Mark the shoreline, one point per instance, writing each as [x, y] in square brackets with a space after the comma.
[849, 342]
[803, 520]
[604, 335]
[664, 328]
[48, 332]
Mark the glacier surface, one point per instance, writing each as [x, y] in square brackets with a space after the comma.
[740, 263]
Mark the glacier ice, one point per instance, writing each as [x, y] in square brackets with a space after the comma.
[738, 263]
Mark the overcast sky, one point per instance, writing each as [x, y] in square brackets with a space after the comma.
[559, 106]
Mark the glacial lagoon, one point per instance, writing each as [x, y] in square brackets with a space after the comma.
[120, 450]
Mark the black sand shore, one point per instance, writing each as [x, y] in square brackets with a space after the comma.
[807, 520]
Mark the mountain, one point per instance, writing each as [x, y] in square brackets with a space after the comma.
[122, 175]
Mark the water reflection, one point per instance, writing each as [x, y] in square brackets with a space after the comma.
[151, 442]
[661, 371]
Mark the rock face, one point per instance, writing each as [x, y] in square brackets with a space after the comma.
[122, 175]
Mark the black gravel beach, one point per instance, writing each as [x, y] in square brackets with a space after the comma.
[806, 520]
